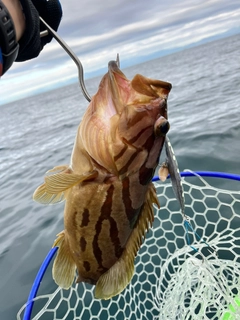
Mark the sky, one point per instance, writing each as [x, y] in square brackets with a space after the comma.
[139, 30]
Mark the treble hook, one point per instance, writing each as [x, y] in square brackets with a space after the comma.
[71, 54]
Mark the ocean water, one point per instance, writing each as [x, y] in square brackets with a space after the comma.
[38, 133]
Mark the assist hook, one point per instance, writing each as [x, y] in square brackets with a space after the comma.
[71, 54]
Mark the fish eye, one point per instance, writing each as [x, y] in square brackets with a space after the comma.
[162, 128]
[165, 127]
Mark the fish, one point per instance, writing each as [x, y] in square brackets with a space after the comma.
[107, 187]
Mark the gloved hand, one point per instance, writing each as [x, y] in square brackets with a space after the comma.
[31, 44]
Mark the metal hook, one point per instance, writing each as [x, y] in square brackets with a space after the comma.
[72, 55]
[118, 60]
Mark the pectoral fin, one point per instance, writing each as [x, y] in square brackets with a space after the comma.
[57, 185]
[59, 168]
[120, 274]
[42, 196]
[64, 268]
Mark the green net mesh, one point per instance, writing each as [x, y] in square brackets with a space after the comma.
[174, 278]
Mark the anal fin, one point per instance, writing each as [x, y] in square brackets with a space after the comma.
[64, 267]
[120, 274]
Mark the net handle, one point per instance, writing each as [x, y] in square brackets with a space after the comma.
[50, 255]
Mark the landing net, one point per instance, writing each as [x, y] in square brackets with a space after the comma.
[184, 270]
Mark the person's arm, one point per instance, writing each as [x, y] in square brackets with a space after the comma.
[15, 9]
[20, 29]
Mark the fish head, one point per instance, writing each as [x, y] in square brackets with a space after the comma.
[125, 124]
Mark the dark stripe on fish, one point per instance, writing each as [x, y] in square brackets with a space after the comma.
[124, 169]
[114, 237]
[83, 244]
[132, 121]
[149, 143]
[85, 218]
[135, 138]
[118, 156]
[105, 214]
[96, 250]
[86, 265]
[145, 175]
[107, 206]
[130, 142]
[131, 213]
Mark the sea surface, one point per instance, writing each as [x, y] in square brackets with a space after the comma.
[38, 133]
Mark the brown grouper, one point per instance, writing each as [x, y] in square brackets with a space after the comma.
[107, 186]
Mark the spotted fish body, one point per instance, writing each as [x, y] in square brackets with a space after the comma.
[107, 186]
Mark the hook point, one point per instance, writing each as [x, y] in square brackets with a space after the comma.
[118, 60]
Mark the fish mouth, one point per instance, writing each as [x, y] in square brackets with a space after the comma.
[140, 88]
[151, 87]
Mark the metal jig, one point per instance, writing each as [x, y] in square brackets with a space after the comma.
[71, 54]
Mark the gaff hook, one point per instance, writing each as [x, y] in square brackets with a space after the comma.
[71, 54]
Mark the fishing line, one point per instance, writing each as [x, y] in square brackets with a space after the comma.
[72, 55]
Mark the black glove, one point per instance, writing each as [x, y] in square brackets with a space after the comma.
[31, 44]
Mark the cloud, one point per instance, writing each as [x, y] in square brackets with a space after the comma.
[137, 30]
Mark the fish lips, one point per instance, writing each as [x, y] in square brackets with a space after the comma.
[143, 89]
[140, 89]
